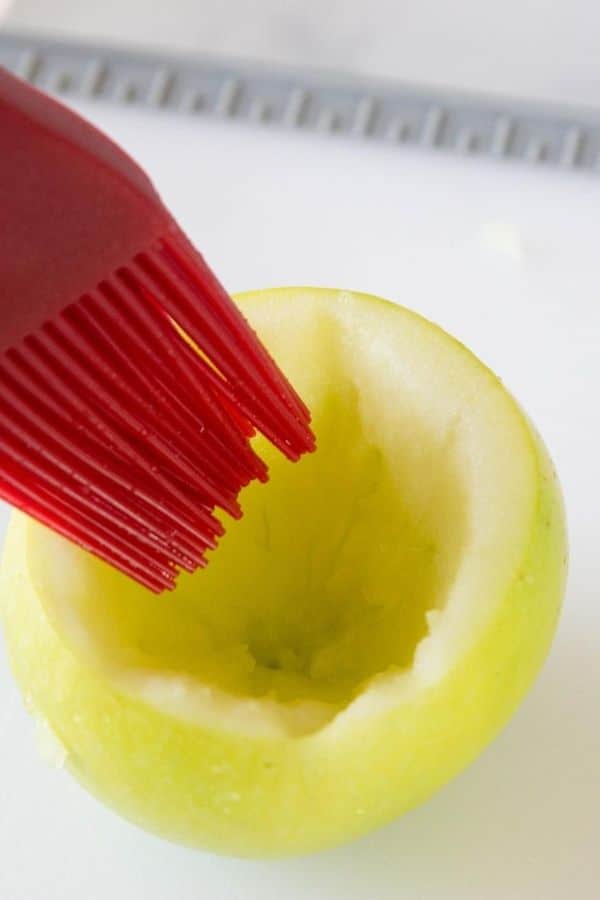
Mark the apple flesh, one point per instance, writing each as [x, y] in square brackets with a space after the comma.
[359, 636]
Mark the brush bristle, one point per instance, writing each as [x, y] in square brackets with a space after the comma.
[118, 434]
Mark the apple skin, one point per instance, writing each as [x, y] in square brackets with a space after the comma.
[270, 796]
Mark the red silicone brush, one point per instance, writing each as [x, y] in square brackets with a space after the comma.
[113, 430]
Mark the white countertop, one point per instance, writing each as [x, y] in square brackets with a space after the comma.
[507, 259]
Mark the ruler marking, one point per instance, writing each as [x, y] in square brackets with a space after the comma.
[160, 87]
[228, 96]
[125, 91]
[193, 101]
[363, 117]
[399, 131]
[328, 120]
[432, 127]
[502, 136]
[295, 108]
[260, 110]
[571, 148]
[536, 150]
[58, 81]
[28, 64]
[63, 82]
[93, 78]
[467, 140]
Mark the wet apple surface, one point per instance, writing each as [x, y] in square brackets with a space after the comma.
[357, 637]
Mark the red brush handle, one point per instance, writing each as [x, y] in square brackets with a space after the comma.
[73, 208]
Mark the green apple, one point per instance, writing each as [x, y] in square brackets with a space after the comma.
[359, 636]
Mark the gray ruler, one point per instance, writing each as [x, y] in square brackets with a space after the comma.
[310, 102]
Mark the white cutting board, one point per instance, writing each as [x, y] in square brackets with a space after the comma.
[506, 258]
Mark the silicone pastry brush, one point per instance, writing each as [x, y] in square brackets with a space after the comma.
[130, 384]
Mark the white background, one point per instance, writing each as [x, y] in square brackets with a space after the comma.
[507, 259]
